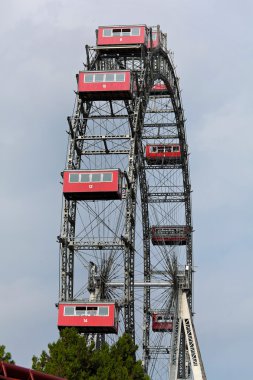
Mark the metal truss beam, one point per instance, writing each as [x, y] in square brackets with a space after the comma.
[99, 152]
[160, 111]
[106, 117]
[168, 284]
[184, 339]
[104, 137]
[159, 137]
[164, 166]
[96, 246]
[166, 197]
[160, 125]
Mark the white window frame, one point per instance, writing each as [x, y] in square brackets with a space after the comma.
[69, 315]
[120, 81]
[107, 173]
[110, 31]
[104, 78]
[75, 174]
[153, 149]
[85, 77]
[121, 31]
[84, 312]
[108, 311]
[90, 177]
[136, 35]
[92, 315]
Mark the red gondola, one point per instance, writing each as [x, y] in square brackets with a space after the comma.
[160, 88]
[169, 153]
[92, 184]
[158, 39]
[170, 235]
[90, 317]
[161, 322]
[122, 35]
[105, 85]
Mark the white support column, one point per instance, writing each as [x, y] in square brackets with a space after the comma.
[192, 342]
[184, 323]
[174, 355]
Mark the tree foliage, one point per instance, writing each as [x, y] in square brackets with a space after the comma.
[5, 356]
[72, 358]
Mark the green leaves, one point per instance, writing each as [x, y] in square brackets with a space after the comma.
[5, 356]
[70, 357]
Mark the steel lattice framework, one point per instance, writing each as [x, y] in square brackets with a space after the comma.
[105, 246]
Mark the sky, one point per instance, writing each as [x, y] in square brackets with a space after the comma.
[42, 48]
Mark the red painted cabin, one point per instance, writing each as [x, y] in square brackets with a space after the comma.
[155, 39]
[161, 322]
[162, 154]
[14, 372]
[122, 35]
[90, 317]
[159, 39]
[105, 85]
[92, 184]
[160, 88]
[170, 235]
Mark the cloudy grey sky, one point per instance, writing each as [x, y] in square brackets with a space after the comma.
[42, 48]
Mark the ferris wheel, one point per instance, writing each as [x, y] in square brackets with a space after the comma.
[126, 234]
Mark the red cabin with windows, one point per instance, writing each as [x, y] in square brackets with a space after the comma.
[92, 184]
[170, 235]
[162, 154]
[159, 39]
[122, 35]
[155, 39]
[90, 317]
[162, 322]
[105, 85]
